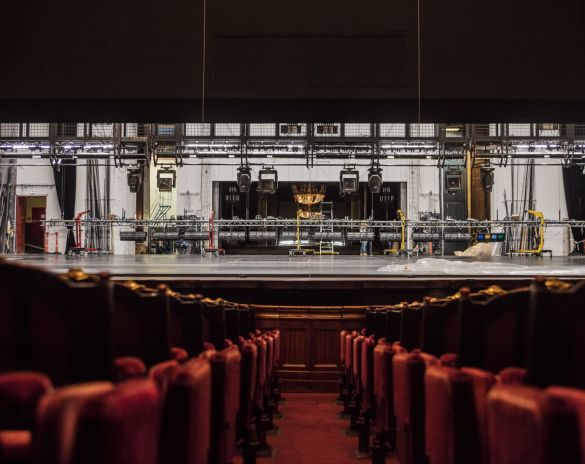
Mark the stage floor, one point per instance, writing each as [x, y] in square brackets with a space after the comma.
[283, 267]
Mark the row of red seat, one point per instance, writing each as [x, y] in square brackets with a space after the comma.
[142, 375]
[489, 377]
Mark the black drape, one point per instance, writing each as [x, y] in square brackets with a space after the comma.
[65, 183]
[574, 183]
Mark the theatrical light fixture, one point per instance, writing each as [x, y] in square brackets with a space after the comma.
[453, 181]
[166, 179]
[487, 178]
[349, 181]
[267, 180]
[375, 179]
[244, 179]
[135, 179]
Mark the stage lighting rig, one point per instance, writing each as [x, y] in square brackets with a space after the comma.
[375, 176]
[349, 181]
[244, 178]
[135, 175]
[166, 179]
[267, 180]
[487, 178]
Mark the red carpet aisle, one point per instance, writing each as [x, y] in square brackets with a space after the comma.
[311, 433]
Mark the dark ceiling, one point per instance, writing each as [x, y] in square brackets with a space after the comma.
[130, 60]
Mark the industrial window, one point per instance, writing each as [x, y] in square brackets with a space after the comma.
[327, 130]
[38, 130]
[165, 129]
[262, 130]
[9, 130]
[132, 129]
[392, 130]
[358, 130]
[579, 130]
[227, 130]
[519, 130]
[292, 129]
[548, 130]
[197, 130]
[422, 130]
[453, 131]
[102, 130]
[69, 130]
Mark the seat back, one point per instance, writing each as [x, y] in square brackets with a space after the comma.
[232, 326]
[440, 326]
[57, 421]
[225, 404]
[409, 396]
[19, 394]
[451, 422]
[214, 322]
[186, 323]
[367, 372]
[493, 330]
[247, 384]
[260, 373]
[525, 425]
[393, 317]
[556, 334]
[65, 324]
[120, 426]
[411, 326]
[383, 384]
[186, 415]
[141, 322]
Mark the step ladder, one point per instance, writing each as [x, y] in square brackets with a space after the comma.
[326, 247]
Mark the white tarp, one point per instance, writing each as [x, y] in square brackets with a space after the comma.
[430, 266]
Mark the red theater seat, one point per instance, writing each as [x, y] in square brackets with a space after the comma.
[19, 395]
[409, 394]
[186, 416]
[57, 420]
[527, 425]
[120, 426]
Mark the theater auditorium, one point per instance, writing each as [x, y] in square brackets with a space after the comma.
[292, 232]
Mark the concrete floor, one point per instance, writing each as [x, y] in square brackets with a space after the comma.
[312, 267]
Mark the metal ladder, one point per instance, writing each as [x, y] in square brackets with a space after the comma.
[327, 247]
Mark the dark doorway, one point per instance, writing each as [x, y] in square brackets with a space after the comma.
[30, 234]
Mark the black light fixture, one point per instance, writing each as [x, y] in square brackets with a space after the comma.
[349, 181]
[453, 181]
[166, 179]
[487, 178]
[375, 177]
[135, 175]
[244, 179]
[267, 180]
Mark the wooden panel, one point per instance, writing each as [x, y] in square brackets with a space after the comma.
[310, 342]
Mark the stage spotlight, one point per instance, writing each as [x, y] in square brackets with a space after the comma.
[349, 181]
[134, 179]
[244, 179]
[166, 179]
[453, 181]
[267, 180]
[375, 180]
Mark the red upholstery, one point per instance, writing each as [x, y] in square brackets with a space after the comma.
[57, 419]
[16, 447]
[260, 373]
[276, 335]
[383, 383]
[575, 400]
[357, 358]
[269, 354]
[515, 425]
[408, 378]
[512, 376]
[19, 394]
[482, 382]
[342, 336]
[179, 354]
[160, 373]
[451, 430]
[186, 416]
[128, 367]
[225, 366]
[349, 349]
[120, 426]
[448, 359]
[367, 372]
